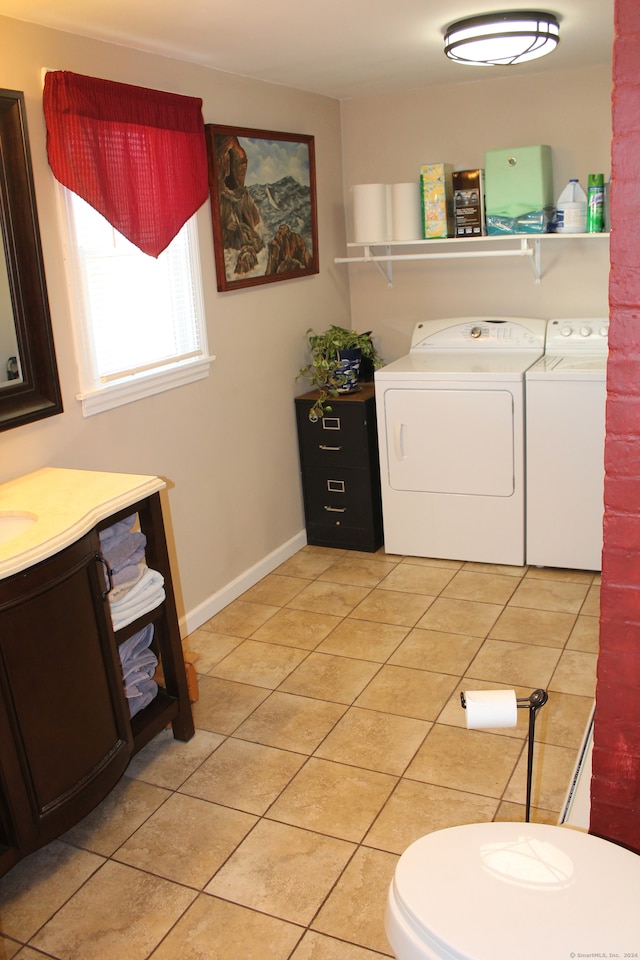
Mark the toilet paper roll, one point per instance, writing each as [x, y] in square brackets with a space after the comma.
[371, 220]
[491, 708]
[406, 211]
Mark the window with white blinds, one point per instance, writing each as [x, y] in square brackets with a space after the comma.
[140, 319]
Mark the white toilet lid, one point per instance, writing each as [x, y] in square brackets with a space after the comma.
[519, 891]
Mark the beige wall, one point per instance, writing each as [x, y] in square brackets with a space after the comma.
[226, 445]
[386, 139]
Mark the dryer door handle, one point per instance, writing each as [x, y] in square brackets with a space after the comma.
[398, 440]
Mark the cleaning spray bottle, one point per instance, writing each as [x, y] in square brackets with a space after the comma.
[595, 203]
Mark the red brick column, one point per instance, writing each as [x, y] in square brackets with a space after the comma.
[615, 785]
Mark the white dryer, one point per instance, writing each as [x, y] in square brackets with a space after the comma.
[565, 403]
[451, 439]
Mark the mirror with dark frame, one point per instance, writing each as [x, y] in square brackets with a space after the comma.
[29, 385]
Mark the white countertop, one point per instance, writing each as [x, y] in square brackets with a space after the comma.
[66, 505]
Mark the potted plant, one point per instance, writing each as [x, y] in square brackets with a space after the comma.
[337, 356]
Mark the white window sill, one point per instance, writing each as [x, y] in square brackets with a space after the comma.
[142, 385]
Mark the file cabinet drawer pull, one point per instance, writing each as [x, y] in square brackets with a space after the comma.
[336, 486]
[335, 509]
[331, 423]
[324, 446]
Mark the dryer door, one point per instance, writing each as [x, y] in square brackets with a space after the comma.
[450, 441]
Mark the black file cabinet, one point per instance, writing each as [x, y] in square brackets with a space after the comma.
[340, 471]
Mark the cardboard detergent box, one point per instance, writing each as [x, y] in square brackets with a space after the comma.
[519, 190]
[436, 196]
[468, 203]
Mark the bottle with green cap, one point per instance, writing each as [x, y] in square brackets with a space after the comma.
[595, 203]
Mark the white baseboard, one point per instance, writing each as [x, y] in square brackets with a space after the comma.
[213, 604]
[577, 806]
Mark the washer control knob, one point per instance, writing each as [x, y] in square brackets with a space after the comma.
[476, 332]
[585, 331]
[566, 331]
[604, 331]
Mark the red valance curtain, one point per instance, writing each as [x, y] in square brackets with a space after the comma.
[138, 156]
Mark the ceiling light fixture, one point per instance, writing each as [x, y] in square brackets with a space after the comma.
[502, 38]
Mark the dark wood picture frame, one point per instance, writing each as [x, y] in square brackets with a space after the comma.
[263, 205]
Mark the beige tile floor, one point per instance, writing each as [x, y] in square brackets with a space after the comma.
[329, 736]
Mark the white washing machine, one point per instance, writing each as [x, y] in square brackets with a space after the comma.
[451, 439]
[565, 418]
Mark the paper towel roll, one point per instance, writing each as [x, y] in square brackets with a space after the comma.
[371, 221]
[491, 708]
[407, 212]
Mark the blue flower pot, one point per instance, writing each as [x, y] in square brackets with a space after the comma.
[349, 372]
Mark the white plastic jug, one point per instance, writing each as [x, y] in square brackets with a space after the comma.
[571, 212]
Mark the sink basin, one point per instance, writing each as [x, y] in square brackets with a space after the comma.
[13, 524]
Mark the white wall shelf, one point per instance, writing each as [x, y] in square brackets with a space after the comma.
[528, 246]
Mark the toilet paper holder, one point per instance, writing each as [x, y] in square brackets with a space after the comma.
[532, 703]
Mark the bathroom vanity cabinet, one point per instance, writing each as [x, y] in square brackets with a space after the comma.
[66, 736]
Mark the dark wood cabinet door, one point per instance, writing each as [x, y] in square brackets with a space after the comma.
[67, 736]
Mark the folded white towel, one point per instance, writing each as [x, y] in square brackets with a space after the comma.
[119, 588]
[146, 594]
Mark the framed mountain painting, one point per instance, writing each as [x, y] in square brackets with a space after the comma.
[263, 205]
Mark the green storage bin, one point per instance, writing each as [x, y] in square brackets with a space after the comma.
[519, 194]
